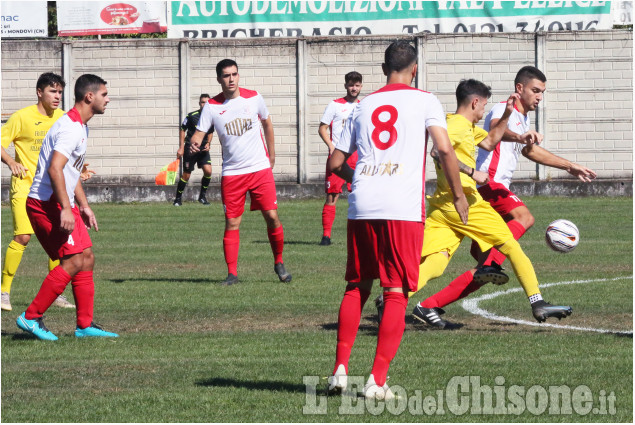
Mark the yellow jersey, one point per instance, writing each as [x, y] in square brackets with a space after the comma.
[464, 136]
[26, 129]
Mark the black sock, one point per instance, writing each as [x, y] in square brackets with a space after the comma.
[180, 188]
[204, 184]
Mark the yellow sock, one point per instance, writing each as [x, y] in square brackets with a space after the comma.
[53, 264]
[432, 267]
[522, 266]
[11, 263]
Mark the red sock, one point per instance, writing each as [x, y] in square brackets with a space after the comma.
[276, 239]
[348, 323]
[328, 217]
[53, 285]
[391, 330]
[84, 293]
[459, 288]
[517, 230]
[231, 245]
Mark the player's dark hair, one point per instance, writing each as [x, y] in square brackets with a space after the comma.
[399, 56]
[528, 73]
[224, 64]
[470, 88]
[49, 79]
[353, 77]
[87, 83]
[202, 96]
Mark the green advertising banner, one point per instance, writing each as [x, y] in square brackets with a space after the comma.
[245, 19]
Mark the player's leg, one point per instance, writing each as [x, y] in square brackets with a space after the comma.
[205, 163]
[233, 194]
[333, 188]
[22, 231]
[187, 166]
[275, 233]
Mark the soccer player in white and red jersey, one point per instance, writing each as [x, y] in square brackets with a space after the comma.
[240, 117]
[331, 125]
[389, 130]
[59, 213]
[500, 164]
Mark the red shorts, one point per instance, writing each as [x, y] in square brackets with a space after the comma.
[261, 188]
[388, 250]
[500, 198]
[334, 183]
[45, 219]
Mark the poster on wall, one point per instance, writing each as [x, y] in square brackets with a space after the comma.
[24, 19]
[277, 18]
[102, 17]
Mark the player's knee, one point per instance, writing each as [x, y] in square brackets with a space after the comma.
[88, 259]
[22, 239]
[72, 264]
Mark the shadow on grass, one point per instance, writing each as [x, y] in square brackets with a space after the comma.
[316, 242]
[19, 336]
[253, 385]
[165, 279]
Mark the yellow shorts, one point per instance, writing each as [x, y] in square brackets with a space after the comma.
[21, 222]
[444, 229]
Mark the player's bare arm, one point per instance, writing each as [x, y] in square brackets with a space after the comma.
[17, 169]
[479, 177]
[324, 133]
[337, 164]
[449, 164]
[527, 138]
[90, 221]
[267, 128]
[499, 128]
[544, 157]
[181, 150]
[56, 172]
[196, 140]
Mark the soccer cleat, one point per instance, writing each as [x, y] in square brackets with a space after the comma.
[5, 301]
[493, 273]
[379, 304]
[35, 327]
[325, 241]
[543, 310]
[374, 391]
[61, 301]
[338, 382]
[231, 279]
[94, 331]
[430, 316]
[177, 202]
[203, 200]
[282, 273]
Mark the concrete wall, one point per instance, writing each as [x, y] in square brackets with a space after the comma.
[586, 115]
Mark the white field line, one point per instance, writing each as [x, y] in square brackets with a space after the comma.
[471, 305]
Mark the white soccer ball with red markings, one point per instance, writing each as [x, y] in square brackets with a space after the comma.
[562, 236]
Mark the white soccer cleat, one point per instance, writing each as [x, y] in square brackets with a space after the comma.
[338, 382]
[63, 302]
[374, 391]
[6, 301]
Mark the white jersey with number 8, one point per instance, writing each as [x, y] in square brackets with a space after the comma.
[388, 128]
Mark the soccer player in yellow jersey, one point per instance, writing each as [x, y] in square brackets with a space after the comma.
[26, 129]
[444, 229]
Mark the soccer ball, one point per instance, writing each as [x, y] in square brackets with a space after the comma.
[562, 236]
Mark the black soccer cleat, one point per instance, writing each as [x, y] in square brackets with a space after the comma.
[543, 310]
[493, 273]
[231, 279]
[203, 200]
[325, 241]
[177, 202]
[430, 316]
[379, 304]
[282, 273]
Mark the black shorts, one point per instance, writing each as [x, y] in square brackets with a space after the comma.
[198, 159]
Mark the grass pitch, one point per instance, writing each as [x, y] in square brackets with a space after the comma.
[193, 351]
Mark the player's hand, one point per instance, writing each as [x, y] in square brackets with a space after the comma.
[86, 173]
[531, 137]
[180, 152]
[272, 160]
[206, 148]
[90, 221]
[17, 169]
[480, 177]
[462, 207]
[195, 148]
[583, 173]
[509, 108]
[67, 221]
[331, 149]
